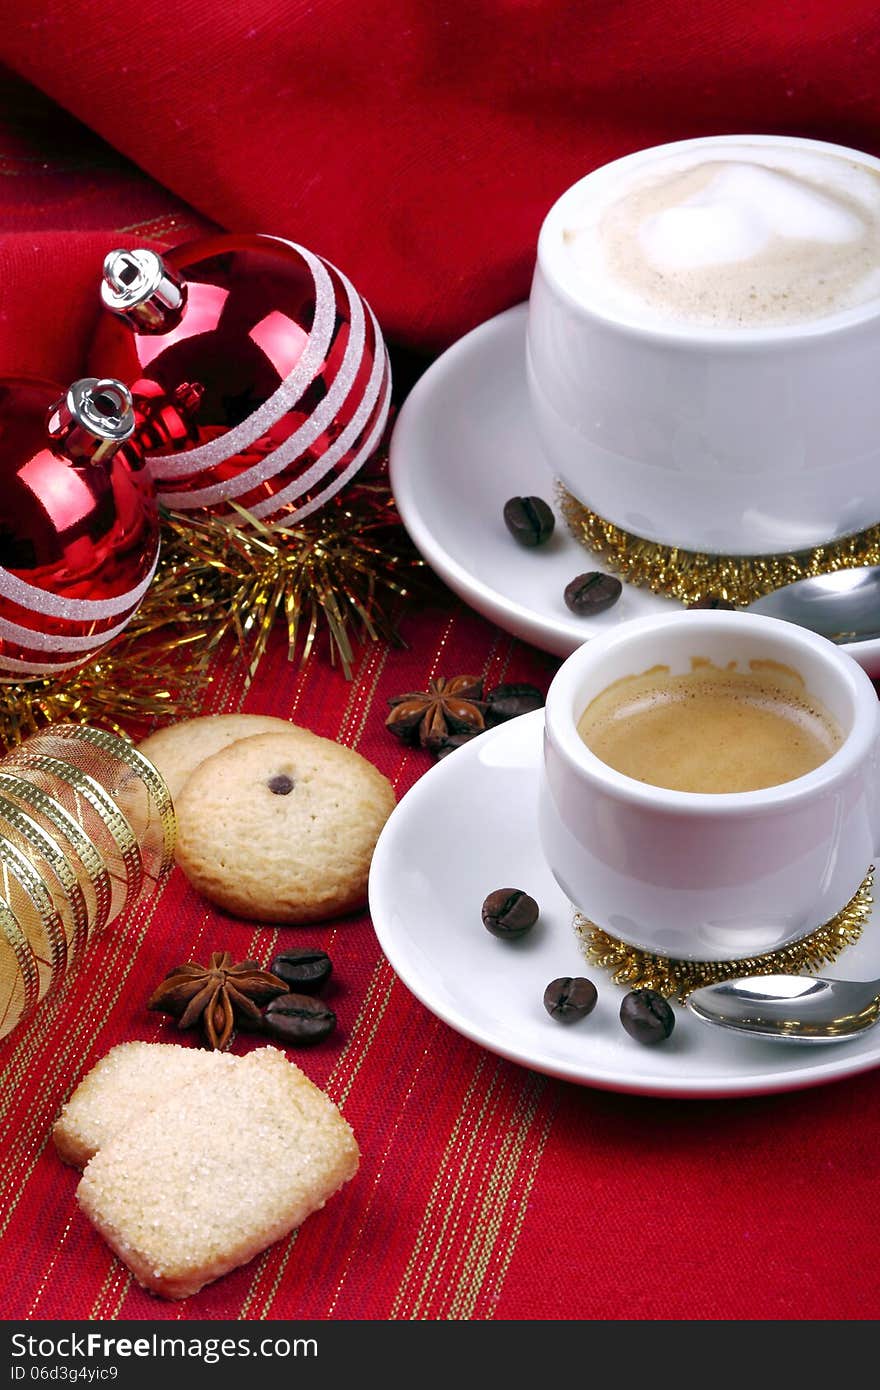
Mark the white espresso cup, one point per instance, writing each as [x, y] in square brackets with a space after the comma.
[688, 427]
[710, 876]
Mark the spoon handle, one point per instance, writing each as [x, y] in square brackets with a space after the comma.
[800, 1008]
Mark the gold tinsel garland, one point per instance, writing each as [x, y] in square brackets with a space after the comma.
[344, 572]
[690, 575]
[155, 669]
[639, 969]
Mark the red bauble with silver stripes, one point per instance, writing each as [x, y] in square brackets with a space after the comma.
[284, 358]
[79, 524]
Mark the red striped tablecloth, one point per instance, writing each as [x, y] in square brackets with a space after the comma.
[486, 1190]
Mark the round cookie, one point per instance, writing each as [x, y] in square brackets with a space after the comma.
[178, 749]
[281, 827]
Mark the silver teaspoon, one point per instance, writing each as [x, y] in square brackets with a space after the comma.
[794, 1008]
[845, 606]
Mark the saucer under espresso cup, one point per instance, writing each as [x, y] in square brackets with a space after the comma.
[430, 872]
[703, 338]
[710, 876]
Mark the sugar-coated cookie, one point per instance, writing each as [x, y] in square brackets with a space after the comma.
[219, 1171]
[282, 827]
[122, 1088]
[178, 749]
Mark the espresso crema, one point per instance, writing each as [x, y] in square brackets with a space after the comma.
[711, 729]
[727, 235]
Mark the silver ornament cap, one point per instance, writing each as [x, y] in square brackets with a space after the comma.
[92, 418]
[142, 289]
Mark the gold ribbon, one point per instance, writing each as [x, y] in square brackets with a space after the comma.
[43, 851]
[86, 827]
[86, 863]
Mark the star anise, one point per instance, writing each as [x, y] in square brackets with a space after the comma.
[217, 996]
[447, 707]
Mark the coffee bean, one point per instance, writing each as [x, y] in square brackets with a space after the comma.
[569, 998]
[448, 745]
[304, 968]
[646, 1016]
[507, 701]
[712, 601]
[592, 593]
[297, 1019]
[509, 912]
[529, 520]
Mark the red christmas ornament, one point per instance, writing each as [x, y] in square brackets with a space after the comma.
[287, 359]
[79, 528]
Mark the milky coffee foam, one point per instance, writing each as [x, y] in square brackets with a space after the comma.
[739, 234]
[711, 729]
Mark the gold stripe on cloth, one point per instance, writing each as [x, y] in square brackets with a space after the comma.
[500, 1195]
[272, 1266]
[691, 575]
[454, 1168]
[473, 1215]
[637, 969]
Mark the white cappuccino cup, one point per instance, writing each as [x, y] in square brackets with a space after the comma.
[710, 875]
[704, 343]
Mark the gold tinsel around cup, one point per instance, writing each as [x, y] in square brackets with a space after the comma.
[676, 979]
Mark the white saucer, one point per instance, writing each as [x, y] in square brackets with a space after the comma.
[468, 827]
[463, 443]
